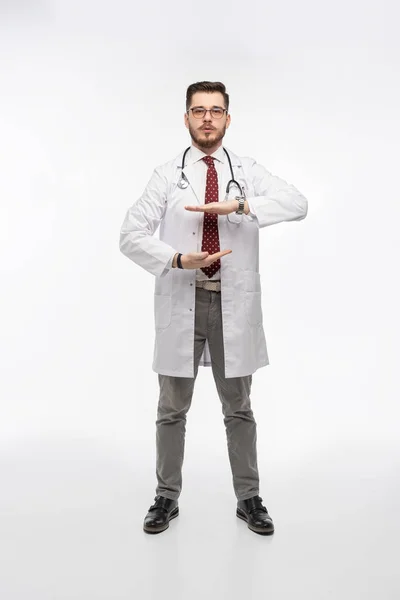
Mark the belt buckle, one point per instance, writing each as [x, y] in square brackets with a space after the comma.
[213, 286]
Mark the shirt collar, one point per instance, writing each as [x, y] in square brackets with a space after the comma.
[196, 154]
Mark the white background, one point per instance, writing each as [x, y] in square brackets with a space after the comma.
[92, 96]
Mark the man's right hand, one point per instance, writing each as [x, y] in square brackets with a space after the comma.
[198, 260]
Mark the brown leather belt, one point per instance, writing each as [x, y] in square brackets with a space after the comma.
[213, 286]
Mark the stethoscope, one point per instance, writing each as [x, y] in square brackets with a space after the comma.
[183, 182]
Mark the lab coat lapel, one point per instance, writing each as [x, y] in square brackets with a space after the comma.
[227, 175]
[190, 173]
[222, 183]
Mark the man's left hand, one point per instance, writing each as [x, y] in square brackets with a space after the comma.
[219, 208]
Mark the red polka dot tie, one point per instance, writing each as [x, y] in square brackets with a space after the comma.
[210, 242]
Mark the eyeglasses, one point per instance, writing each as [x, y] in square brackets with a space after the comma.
[199, 112]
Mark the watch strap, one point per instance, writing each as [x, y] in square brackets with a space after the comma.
[241, 200]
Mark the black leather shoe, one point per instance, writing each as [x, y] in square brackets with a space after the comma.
[159, 515]
[256, 515]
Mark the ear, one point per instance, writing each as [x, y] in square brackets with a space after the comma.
[186, 120]
[228, 120]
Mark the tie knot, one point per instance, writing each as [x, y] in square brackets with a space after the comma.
[209, 160]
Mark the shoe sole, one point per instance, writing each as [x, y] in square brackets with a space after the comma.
[252, 527]
[161, 528]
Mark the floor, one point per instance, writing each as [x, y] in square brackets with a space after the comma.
[72, 511]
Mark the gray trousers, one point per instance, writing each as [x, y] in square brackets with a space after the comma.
[175, 400]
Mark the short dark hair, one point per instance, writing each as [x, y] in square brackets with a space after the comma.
[206, 86]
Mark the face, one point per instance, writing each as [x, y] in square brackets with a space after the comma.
[207, 132]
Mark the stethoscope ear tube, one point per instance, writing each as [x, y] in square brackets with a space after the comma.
[233, 180]
[183, 182]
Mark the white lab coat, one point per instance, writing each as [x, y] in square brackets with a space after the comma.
[271, 200]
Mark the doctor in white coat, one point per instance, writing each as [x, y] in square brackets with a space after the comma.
[207, 296]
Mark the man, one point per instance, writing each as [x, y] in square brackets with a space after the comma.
[207, 300]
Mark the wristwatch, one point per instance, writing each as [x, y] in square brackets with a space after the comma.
[241, 200]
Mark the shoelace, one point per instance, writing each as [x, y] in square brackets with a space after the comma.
[258, 508]
[158, 504]
[258, 505]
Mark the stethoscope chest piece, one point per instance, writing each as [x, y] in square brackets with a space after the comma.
[183, 182]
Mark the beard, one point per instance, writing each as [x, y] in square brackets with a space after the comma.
[206, 140]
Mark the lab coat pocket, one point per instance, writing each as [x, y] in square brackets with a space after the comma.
[252, 291]
[162, 311]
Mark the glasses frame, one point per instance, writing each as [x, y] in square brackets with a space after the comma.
[206, 111]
